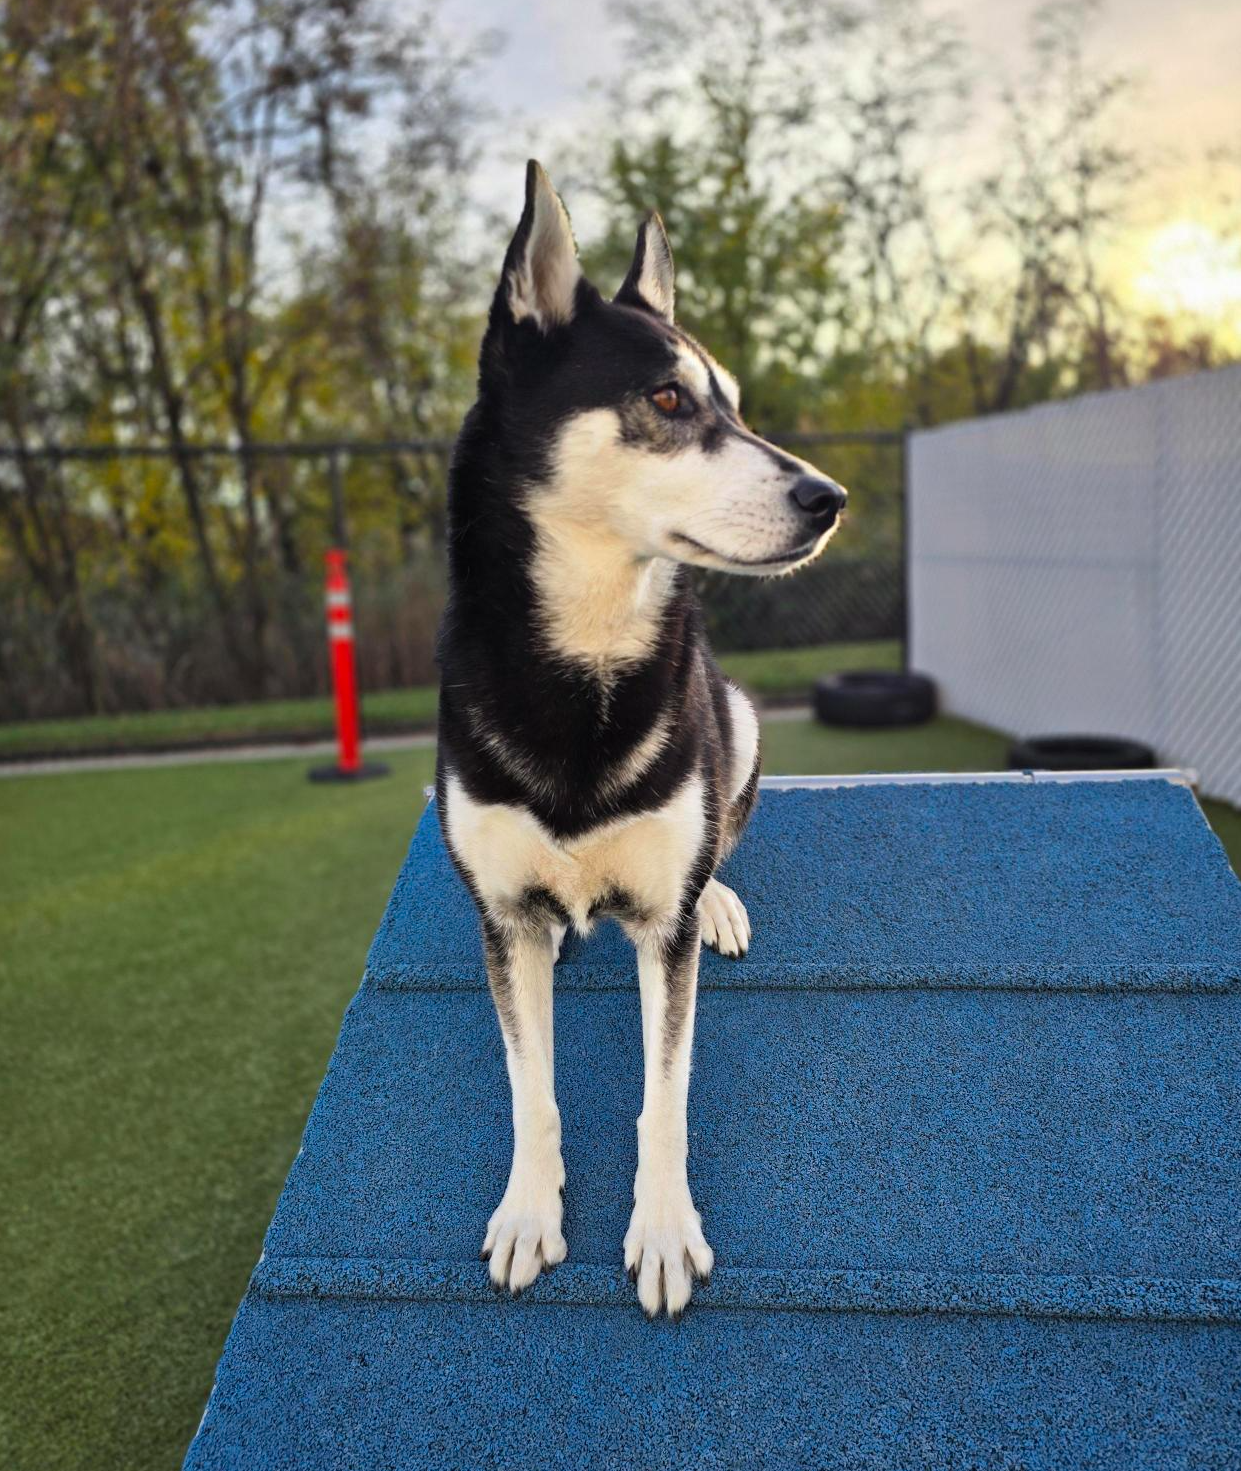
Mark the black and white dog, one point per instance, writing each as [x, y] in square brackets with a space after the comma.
[593, 760]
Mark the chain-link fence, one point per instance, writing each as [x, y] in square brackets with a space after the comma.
[144, 576]
[856, 591]
[1076, 567]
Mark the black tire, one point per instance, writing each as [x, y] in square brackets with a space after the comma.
[874, 698]
[1079, 753]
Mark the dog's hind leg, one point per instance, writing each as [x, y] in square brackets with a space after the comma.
[558, 933]
[664, 1246]
[725, 923]
[524, 1236]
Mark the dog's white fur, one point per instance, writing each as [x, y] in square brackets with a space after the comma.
[607, 520]
[543, 282]
[509, 852]
[602, 569]
[610, 522]
[656, 279]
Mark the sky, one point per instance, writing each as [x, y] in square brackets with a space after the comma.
[1184, 53]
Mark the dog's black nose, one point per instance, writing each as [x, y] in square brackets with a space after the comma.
[821, 498]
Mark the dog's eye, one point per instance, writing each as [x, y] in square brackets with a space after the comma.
[667, 400]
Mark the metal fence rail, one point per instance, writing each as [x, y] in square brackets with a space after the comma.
[384, 499]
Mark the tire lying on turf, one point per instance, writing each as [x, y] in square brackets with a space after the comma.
[1079, 753]
[874, 698]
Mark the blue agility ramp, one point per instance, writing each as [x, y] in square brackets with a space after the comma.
[965, 1132]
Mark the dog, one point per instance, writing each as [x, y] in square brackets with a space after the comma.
[593, 760]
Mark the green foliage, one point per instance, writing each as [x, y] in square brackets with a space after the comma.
[251, 221]
[716, 143]
[755, 278]
[155, 289]
[834, 244]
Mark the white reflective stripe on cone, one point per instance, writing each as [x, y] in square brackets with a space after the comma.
[338, 598]
[340, 630]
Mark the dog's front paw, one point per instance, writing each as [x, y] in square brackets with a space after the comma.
[725, 924]
[665, 1250]
[523, 1236]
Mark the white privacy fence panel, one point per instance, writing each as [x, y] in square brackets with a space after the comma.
[1076, 568]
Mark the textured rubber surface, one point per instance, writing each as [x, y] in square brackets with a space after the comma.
[378, 1386]
[988, 1225]
[1048, 887]
[1105, 1128]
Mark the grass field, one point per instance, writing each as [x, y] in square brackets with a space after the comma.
[176, 949]
[770, 673]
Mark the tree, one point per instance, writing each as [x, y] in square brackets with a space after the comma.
[833, 240]
[1054, 204]
[45, 203]
[153, 243]
[709, 144]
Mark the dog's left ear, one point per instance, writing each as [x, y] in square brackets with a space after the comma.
[649, 283]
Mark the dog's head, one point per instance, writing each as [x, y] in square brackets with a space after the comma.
[634, 428]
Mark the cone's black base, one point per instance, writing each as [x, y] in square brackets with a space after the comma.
[365, 772]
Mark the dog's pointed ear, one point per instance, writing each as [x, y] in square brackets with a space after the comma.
[649, 283]
[541, 271]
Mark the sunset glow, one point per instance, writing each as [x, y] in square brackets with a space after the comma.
[1187, 269]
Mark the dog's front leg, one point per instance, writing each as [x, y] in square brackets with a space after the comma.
[523, 1236]
[664, 1246]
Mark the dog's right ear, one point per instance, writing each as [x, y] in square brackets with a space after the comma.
[539, 281]
[649, 283]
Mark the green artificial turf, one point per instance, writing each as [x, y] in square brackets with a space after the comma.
[177, 946]
[805, 748]
[176, 949]
[775, 673]
[786, 673]
[215, 725]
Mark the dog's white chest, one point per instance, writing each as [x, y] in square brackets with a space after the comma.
[508, 852]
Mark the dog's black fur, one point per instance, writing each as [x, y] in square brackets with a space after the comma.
[584, 719]
[563, 720]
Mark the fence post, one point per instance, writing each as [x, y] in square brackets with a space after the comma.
[340, 531]
[906, 544]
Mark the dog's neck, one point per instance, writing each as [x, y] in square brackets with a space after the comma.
[549, 609]
[600, 608]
